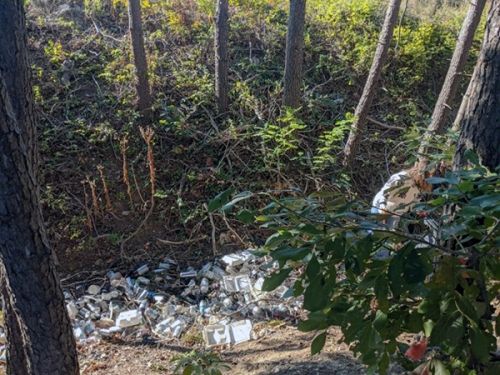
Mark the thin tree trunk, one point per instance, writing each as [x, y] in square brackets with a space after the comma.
[294, 56]
[479, 120]
[39, 333]
[221, 55]
[140, 61]
[443, 106]
[363, 107]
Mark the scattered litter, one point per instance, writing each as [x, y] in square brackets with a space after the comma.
[221, 299]
[238, 283]
[129, 319]
[233, 333]
[241, 331]
[142, 270]
[93, 289]
[188, 274]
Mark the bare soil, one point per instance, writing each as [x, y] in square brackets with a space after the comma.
[279, 350]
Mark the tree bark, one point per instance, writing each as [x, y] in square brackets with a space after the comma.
[294, 55]
[363, 107]
[16, 355]
[140, 61]
[221, 56]
[443, 107]
[479, 120]
[39, 333]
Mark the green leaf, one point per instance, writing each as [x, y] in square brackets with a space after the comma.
[414, 322]
[428, 326]
[368, 339]
[290, 253]
[466, 308]
[381, 289]
[485, 201]
[188, 370]
[439, 367]
[318, 343]
[337, 248]
[220, 200]
[277, 238]
[448, 333]
[317, 294]
[313, 268]
[309, 228]
[380, 321]
[237, 198]
[481, 344]
[316, 321]
[275, 280]
[445, 275]
[245, 216]
[466, 186]
[437, 180]
[407, 267]
[383, 364]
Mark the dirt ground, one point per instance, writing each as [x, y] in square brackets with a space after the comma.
[280, 350]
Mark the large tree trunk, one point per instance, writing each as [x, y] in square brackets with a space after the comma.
[479, 119]
[294, 54]
[16, 355]
[443, 107]
[369, 90]
[39, 333]
[140, 61]
[221, 55]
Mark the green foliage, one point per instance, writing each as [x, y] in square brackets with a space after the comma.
[330, 142]
[282, 138]
[199, 363]
[55, 52]
[376, 283]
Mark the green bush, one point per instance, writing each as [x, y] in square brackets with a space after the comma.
[377, 283]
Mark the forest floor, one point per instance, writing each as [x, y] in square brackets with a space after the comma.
[281, 350]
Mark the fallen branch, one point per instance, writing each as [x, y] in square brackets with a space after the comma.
[214, 241]
[381, 124]
[178, 243]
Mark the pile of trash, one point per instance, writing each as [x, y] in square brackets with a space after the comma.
[223, 299]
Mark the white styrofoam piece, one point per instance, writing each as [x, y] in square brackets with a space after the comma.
[238, 283]
[233, 260]
[241, 331]
[216, 334]
[223, 333]
[129, 318]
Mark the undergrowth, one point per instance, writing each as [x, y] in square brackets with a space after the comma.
[85, 93]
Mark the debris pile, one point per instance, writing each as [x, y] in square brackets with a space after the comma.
[222, 300]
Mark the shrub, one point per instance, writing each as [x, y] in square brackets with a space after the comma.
[199, 363]
[378, 284]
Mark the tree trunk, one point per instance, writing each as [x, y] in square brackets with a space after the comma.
[369, 90]
[443, 107]
[140, 61]
[294, 55]
[479, 120]
[16, 355]
[221, 55]
[39, 333]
